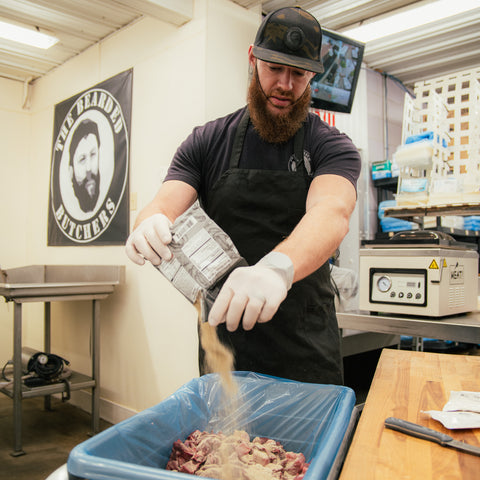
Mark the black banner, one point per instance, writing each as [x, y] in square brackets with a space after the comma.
[88, 202]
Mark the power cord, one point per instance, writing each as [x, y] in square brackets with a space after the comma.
[9, 381]
[42, 368]
[46, 365]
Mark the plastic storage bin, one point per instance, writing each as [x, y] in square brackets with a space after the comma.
[304, 417]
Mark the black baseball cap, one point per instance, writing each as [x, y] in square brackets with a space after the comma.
[290, 36]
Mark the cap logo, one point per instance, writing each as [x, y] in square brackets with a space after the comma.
[294, 38]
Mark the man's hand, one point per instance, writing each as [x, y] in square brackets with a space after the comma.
[255, 292]
[149, 241]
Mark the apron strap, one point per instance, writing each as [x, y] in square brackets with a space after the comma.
[300, 158]
[240, 138]
[298, 145]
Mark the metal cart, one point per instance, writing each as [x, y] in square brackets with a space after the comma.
[53, 283]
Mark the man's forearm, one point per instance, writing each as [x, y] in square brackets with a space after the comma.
[319, 233]
[173, 198]
[313, 242]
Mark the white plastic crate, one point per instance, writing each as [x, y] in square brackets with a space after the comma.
[450, 107]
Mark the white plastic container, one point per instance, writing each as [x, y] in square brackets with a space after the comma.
[415, 155]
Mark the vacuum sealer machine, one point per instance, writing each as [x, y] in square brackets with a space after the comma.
[421, 272]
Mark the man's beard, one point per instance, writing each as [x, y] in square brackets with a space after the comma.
[86, 201]
[281, 127]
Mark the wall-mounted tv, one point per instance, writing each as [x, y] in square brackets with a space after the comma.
[334, 89]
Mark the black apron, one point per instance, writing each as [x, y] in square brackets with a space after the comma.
[258, 209]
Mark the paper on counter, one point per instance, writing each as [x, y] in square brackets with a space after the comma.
[461, 411]
[463, 401]
[456, 420]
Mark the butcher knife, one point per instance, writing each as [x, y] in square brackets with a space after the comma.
[428, 434]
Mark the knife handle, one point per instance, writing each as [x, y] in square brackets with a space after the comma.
[417, 430]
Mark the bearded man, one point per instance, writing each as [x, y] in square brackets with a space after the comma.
[282, 184]
[84, 164]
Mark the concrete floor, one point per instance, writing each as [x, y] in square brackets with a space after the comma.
[48, 437]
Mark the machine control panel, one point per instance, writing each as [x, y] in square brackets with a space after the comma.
[399, 286]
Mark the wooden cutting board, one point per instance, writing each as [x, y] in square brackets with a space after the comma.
[405, 384]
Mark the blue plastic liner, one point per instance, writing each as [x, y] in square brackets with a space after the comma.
[304, 417]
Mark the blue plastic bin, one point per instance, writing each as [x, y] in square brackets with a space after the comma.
[304, 417]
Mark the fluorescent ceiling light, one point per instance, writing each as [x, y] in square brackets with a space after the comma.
[26, 36]
[414, 17]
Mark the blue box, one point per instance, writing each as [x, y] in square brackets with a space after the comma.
[304, 417]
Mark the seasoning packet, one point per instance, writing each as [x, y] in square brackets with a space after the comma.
[203, 256]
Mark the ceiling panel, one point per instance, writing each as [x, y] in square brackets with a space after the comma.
[78, 24]
[438, 49]
[338, 14]
[435, 50]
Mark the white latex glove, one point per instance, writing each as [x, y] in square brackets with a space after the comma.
[149, 241]
[255, 292]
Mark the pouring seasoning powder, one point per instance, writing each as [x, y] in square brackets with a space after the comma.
[218, 358]
[231, 456]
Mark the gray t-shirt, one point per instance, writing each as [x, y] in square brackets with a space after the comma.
[205, 154]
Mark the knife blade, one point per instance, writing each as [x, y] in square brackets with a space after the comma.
[425, 433]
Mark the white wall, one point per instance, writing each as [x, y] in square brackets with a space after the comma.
[183, 76]
[355, 125]
[365, 126]
[14, 192]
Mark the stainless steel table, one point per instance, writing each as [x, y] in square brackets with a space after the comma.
[53, 283]
[458, 328]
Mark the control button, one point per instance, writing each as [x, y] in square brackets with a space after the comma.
[409, 295]
[392, 294]
[400, 295]
[418, 296]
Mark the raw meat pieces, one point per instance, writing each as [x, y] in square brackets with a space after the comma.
[226, 457]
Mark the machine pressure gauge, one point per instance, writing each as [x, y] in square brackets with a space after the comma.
[384, 283]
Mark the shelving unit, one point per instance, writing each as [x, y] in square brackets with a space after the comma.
[417, 213]
[52, 283]
[412, 212]
[389, 184]
[77, 381]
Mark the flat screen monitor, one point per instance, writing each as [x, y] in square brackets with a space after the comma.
[334, 89]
